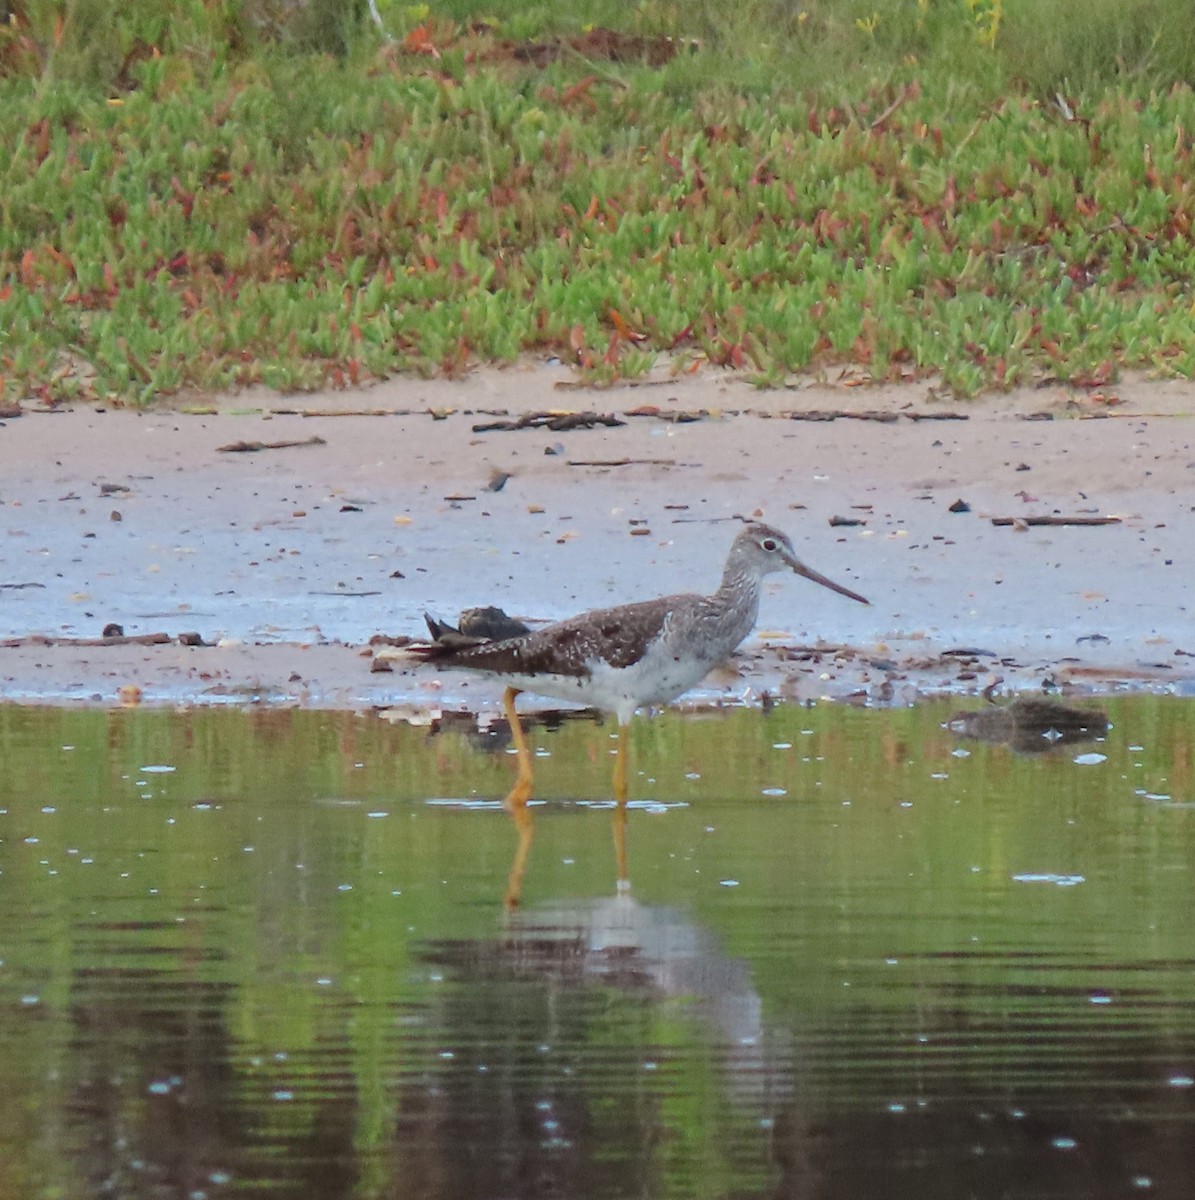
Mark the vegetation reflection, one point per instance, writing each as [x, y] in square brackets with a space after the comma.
[269, 948]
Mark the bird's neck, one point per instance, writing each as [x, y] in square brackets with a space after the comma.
[739, 592]
[736, 581]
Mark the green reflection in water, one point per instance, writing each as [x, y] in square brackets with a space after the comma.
[266, 949]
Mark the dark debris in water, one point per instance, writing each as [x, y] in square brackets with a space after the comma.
[1030, 725]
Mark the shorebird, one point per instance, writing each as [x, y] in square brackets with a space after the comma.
[623, 658]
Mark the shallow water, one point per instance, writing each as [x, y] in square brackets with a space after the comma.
[266, 952]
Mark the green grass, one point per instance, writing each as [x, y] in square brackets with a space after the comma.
[206, 194]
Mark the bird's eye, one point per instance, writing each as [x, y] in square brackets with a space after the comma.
[768, 544]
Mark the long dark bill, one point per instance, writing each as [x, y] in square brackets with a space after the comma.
[810, 573]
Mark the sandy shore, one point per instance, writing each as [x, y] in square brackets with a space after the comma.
[287, 560]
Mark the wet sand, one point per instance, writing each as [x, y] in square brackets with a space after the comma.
[287, 561]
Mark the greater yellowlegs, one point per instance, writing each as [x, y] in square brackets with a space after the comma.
[620, 659]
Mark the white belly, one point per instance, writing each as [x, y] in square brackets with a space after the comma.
[655, 679]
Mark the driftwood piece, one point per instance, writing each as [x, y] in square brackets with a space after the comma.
[254, 447]
[884, 416]
[555, 421]
[585, 385]
[623, 462]
[341, 412]
[133, 639]
[1055, 520]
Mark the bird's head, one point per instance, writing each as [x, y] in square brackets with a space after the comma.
[762, 549]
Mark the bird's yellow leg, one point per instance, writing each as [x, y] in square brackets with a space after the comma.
[524, 820]
[620, 768]
[620, 809]
[521, 792]
[516, 802]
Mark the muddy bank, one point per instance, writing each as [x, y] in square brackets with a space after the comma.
[286, 559]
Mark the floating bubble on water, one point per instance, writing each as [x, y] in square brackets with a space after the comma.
[159, 1088]
[1181, 1081]
[1063, 1143]
[377, 813]
[1142, 1181]
[782, 745]
[158, 769]
[1102, 998]
[728, 882]
[283, 1094]
[1089, 760]
[692, 774]
[960, 753]
[897, 1107]
[459, 802]
[775, 791]
[1057, 880]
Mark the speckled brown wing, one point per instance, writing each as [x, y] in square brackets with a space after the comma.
[618, 636]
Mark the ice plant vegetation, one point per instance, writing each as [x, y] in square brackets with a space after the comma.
[202, 195]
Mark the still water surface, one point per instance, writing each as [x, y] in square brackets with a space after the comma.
[265, 952]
